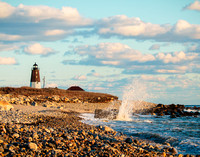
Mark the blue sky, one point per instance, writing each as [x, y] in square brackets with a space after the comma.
[103, 45]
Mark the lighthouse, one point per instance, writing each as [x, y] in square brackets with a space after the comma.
[35, 77]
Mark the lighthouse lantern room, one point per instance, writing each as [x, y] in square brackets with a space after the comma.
[35, 77]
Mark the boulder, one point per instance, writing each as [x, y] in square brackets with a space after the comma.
[109, 114]
[5, 106]
[32, 146]
[34, 103]
[172, 110]
[106, 128]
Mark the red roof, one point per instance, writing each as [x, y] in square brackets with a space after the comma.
[75, 88]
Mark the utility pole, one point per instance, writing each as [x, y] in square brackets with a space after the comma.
[43, 81]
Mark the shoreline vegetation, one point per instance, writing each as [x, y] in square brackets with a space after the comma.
[46, 122]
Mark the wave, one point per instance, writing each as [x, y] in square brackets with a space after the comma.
[156, 137]
[192, 110]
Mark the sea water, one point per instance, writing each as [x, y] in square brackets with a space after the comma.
[183, 133]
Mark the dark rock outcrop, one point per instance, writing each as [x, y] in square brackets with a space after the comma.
[172, 110]
[109, 114]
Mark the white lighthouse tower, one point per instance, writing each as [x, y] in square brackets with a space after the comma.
[35, 77]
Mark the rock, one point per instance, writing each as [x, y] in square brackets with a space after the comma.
[1, 149]
[106, 128]
[1, 140]
[110, 114]
[15, 135]
[11, 148]
[60, 107]
[30, 139]
[173, 116]
[166, 144]
[32, 146]
[173, 151]
[5, 106]
[129, 140]
[55, 98]
[136, 141]
[164, 154]
[35, 135]
[34, 103]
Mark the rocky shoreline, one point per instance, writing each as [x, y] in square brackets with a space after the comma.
[59, 133]
[159, 110]
[36, 127]
[172, 110]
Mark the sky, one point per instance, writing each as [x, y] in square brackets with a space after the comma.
[104, 46]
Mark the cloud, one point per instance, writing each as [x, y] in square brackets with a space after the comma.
[194, 48]
[132, 27]
[176, 57]
[112, 54]
[39, 23]
[54, 32]
[125, 26]
[98, 88]
[7, 61]
[165, 71]
[8, 37]
[184, 29]
[79, 77]
[133, 61]
[68, 15]
[153, 78]
[194, 6]
[44, 23]
[93, 73]
[155, 47]
[6, 10]
[51, 85]
[8, 47]
[38, 49]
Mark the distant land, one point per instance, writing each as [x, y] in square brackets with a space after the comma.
[84, 96]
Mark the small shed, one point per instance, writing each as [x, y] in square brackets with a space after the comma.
[75, 88]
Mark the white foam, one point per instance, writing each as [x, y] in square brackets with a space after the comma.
[190, 110]
[133, 96]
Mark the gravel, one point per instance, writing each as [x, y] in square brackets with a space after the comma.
[37, 131]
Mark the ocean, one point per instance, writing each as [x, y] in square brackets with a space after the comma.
[183, 133]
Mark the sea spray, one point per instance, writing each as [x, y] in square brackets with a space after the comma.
[133, 96]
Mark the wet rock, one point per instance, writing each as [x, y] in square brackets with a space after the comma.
[172, 110]
[110, 114]
[34, 104]
[129, 140]
[173, 151]
[106, 128]
[136, 141]
[168, 144]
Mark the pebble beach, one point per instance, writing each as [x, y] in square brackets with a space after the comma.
[41, 131]
[35, 123]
